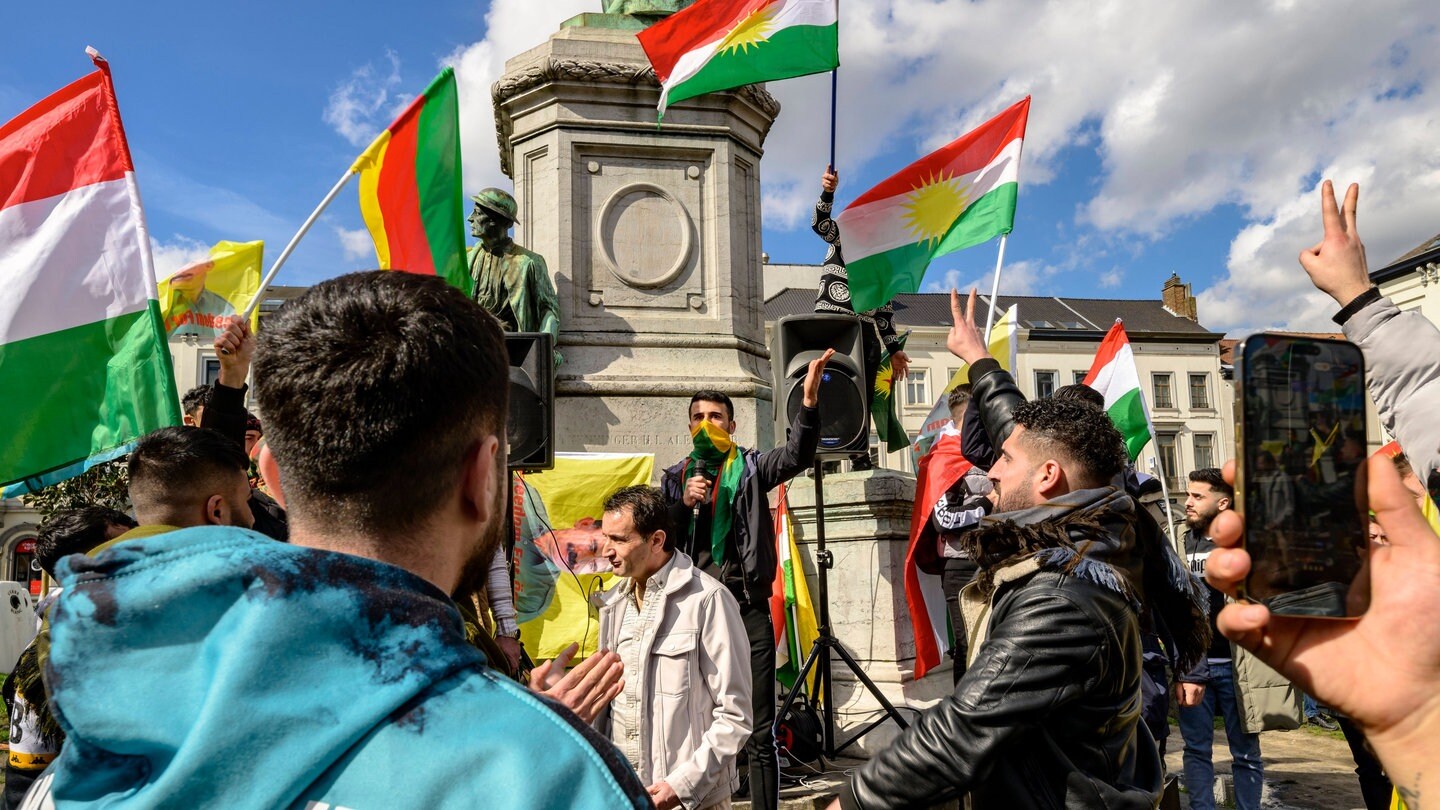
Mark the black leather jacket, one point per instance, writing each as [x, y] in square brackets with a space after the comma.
[1045, 717]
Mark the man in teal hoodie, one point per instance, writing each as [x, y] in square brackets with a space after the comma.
[213, 667]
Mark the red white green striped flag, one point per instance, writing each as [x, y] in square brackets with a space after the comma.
[84, 366]
[721, 44]
[1113, 374]
[956, 197]
[410, 191]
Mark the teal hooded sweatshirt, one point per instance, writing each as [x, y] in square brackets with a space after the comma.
[214, 667]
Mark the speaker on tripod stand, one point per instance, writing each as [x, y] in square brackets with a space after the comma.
[844, 431]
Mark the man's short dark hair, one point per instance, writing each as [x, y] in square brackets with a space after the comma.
[1082, 393]
[1073, 430]
[959, 396]
[195, 399]
[177, 466]
[1212, 476]
[713, 396]
[375, 387]
[648, 510]
[75, 531]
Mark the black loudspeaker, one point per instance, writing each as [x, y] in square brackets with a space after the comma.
[844, 395]
[530, 429]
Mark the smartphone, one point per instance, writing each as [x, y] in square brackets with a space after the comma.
[1300, 474]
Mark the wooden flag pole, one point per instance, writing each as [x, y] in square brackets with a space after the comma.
[295, 240]
[995, 289]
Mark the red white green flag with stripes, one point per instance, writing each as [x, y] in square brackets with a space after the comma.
[410, 192]
[1113, 374]
[84, 365]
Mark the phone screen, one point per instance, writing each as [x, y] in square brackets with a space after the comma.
[1302, 488]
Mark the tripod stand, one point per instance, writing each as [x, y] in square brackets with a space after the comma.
[825, 643]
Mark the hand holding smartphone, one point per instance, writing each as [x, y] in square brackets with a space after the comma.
[1300, 474]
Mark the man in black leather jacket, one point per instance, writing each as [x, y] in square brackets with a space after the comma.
[1047, 714]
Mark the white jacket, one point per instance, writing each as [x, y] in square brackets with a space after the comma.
[1402, 355]
[694, 684]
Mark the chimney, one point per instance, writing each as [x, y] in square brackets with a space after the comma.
[1176, 297]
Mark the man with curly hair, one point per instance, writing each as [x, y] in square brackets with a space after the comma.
[1048, 711]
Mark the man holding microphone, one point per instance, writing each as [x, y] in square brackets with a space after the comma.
[718, 504]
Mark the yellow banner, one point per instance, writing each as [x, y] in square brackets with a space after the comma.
[558, 564]
[196, 299]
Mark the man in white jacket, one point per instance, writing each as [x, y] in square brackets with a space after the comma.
[685, 712]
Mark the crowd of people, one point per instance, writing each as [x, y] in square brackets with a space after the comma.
[297, 629]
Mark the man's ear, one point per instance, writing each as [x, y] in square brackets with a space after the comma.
[1224, 503]
[482, 479]
[189, 420]
[1050, 479]
[217, 511]
[659, 535]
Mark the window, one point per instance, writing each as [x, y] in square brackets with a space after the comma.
[1169, 460]
[209, 370]
[917, 387]
[1164, 394]
[877, 453]
[951, 372]
[1080, 376]
[1204, 450]
[1200, 391]
[1045, 384]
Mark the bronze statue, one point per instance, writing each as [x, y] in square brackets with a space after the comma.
[645, 8]
[511, 283]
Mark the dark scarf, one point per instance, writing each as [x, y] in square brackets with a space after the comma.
[1103, 536]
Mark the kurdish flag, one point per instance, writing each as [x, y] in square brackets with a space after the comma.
[790, 607]
[882, 404]
[722, 44]
[410, 188]
[954, 198]
[1113, 374]
[84, 367]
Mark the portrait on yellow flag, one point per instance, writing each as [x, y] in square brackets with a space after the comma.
[197, 299]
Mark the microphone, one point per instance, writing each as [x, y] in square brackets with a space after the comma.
[695, 510]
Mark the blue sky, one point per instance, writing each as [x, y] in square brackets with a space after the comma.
[1185, 137]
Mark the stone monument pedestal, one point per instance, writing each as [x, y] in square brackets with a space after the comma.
[867, 525]
[652, 236]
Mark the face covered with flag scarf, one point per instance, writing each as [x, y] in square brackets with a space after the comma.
[715, 456]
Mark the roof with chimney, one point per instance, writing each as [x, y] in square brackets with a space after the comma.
[1044, 316]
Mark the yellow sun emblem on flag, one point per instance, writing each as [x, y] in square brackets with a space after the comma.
[934, 206]
[884, 379]
[751, 32]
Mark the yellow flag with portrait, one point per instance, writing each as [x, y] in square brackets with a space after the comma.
[197, 299]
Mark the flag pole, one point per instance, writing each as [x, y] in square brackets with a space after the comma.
[995, 288]
[1165, 493]
[834, 94]
[295, 240]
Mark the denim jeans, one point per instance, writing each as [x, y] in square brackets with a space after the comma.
[1197, 727]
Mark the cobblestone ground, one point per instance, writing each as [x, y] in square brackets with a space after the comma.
[1306, 769]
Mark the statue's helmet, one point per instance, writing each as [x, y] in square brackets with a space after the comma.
[498, 202]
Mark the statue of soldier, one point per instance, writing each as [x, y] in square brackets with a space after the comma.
[511, 283]
[645, 8]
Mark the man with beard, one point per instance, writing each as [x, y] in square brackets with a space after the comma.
[1048, 711]
[333, 671]
[1216, 685]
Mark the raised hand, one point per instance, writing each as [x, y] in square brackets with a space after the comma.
[830, 180]
[965, 340]
[233, 348]
[1336, 265]
[811, 390]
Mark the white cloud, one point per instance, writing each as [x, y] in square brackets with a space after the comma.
[178, 252]
[1112, 278]
[364, 104]
[511, 28]
[356, 244]
[1187, 106]
[1016, 278]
